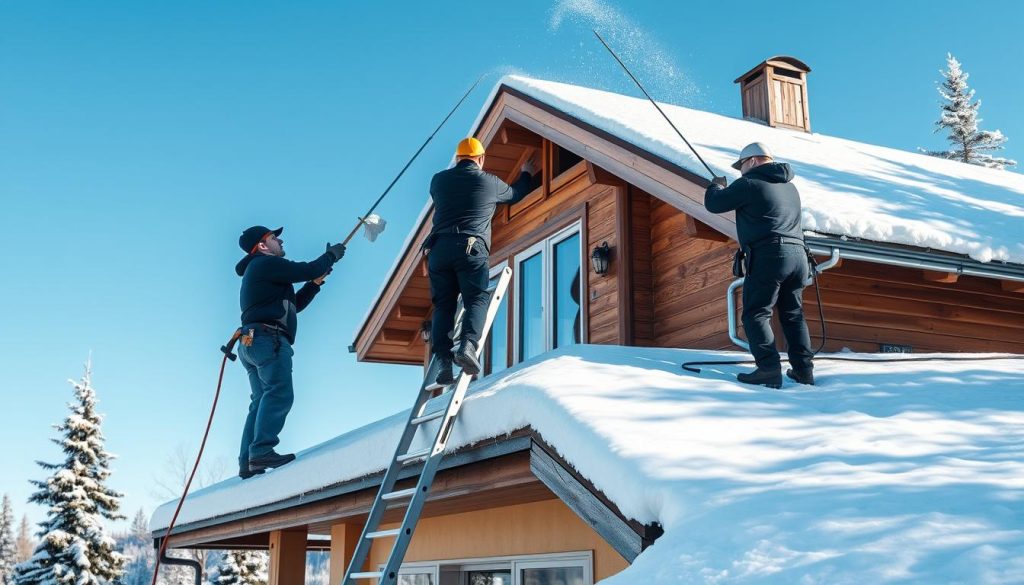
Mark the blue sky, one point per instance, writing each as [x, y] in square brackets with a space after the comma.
[138, 139]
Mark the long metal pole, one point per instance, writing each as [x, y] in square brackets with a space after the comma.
[663, 115]
[408, 164]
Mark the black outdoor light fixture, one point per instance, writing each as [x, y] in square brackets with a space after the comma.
[600, 257]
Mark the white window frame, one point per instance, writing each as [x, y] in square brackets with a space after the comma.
[546, 248]
[513, 564]
[495, 271]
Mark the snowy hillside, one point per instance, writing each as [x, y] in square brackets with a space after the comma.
[885, 472]
[847, 188]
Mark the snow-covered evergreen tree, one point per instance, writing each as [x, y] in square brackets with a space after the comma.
[960, 117]
[74, 547]
[8, 546]
[24, 543]
[239, 567]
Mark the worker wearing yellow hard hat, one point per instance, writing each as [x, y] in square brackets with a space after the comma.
[465, 197]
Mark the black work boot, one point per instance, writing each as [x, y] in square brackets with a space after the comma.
[466, 358]
[759, 377]
[269, 461]
[445, 376]
[801, 376]
[245, 472]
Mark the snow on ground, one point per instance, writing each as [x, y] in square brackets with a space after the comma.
[847, 188]
[884, 473]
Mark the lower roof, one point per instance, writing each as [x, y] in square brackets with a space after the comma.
[910, 468]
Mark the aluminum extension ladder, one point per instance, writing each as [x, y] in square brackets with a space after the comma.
[414, 498]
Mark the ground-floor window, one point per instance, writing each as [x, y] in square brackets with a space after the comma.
[548, 569]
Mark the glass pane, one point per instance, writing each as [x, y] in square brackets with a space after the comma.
[567, 292]
[416, 579]
[490, 578]
[552, 576]
[531, 307]
[497, 339]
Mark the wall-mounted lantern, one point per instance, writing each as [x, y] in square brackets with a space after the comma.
[425, 331]
[600, 257]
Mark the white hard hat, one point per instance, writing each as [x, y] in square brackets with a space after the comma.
[752, 149]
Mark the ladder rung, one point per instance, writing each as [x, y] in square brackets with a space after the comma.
[434, 386]
[384, 533]
[428, 417]
[366, 575]
[413, 455]
[493, 287]
[398, 495]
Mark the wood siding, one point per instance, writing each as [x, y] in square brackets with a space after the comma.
[690, 276]
[535, 528]
[865, 304]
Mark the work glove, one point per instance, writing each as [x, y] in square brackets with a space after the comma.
[530, 167]
[720, 181]
[337, 251]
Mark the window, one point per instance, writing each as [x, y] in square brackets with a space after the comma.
[548, 295]
[563, 160]
[496, 354]
[548, 569]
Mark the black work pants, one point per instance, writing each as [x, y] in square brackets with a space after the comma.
[454, 271]
[776, 277]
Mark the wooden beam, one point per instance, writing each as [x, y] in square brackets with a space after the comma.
[1012, 286]
[344, 537]
[938, 276]
[288, 557]
[413, 312]
[701, 230]
[519, 137]
[599, 176]
[391, 335]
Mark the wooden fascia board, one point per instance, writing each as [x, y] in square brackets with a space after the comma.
[488, 449]
[667, 181]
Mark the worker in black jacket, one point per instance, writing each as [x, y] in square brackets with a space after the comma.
[465, 198]
[767, 207]
[269, 306]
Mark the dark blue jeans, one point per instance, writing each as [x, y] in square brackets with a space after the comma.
[268, 361]
[776, 277]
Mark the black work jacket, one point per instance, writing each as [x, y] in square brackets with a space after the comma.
[465, 197]
[765, 201]
[267, 294]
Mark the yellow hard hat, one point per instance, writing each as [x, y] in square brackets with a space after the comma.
[469, 147]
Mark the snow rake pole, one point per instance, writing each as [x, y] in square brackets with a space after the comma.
[655, 104]
[364, 219]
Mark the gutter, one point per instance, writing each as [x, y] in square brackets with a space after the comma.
[838, 249]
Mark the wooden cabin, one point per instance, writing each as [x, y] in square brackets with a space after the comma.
[614, 247]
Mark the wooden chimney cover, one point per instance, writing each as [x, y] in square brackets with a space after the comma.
[775, 92]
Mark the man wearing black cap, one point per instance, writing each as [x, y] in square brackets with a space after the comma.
[269, 307]
[767, 207]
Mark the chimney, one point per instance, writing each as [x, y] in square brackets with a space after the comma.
[775, 92]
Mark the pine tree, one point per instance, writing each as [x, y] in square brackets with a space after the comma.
[25, 543]
[960, 117]
[74, 547]
[241, 568]
[8, 546]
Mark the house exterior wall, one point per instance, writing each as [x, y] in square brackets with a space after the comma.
[547, 526]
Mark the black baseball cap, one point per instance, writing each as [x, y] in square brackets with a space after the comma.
[254, 235]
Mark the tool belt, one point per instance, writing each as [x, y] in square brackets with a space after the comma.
[451, 231]
[741, 259]
[251, 330]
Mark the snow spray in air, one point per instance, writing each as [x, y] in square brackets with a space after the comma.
[654, 63]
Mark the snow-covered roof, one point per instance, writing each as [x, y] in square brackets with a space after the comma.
[847, 188]
[884, 472]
